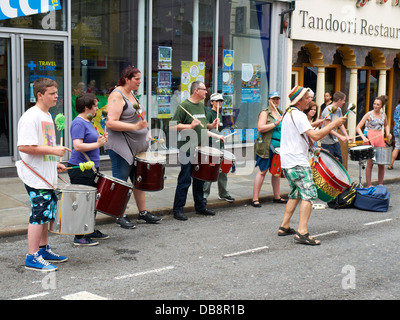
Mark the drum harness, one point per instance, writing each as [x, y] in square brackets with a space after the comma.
[37, 174]
[308, 141]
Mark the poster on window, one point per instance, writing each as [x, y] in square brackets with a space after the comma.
[164, 58]
[228, 60]
[191, 71]
[164, 94]
[251, 83]
[227, 105]
[227, 82]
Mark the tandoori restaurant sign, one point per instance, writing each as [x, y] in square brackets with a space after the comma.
[368, 23]
[19, 8]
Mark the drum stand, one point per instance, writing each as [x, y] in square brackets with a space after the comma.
[361, 165]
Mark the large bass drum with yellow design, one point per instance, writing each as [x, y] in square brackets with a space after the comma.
[330, 177]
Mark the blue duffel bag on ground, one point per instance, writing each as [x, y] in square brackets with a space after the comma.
[372, 199]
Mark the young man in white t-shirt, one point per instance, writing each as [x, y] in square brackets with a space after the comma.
[38, 170]
[296, 130]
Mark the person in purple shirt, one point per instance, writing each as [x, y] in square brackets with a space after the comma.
[85, 138]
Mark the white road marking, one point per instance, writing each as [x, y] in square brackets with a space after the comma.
[245, 251]
[325, 233]
[83, 295]
[33, 296]
[376, 222]
[144, 273]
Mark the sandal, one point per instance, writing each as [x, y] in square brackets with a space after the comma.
[286, 231]
[390, 167]
[256, 205]
[305, 239]
[280, 200]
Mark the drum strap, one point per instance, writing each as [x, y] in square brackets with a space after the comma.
[38, 175]
[307, 139]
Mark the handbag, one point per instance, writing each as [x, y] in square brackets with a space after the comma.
[275, 168]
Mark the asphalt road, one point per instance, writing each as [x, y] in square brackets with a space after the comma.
[235, 255]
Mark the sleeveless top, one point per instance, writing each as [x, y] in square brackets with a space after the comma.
[374, 123]
[128, 143]
[374, 129]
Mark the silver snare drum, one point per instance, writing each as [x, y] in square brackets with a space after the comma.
[75, 210]
[383, 155]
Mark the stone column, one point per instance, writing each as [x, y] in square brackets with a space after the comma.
[352, 119]
[320, 88]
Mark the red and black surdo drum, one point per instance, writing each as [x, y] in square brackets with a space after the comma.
[113, 195]
[150, 171]
[227, 161]
[207, 163]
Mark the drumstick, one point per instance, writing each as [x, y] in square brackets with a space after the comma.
[137, 108]
[379, 135]
[83, 166]
[333, 110]
[104, 113]
[190, 114]
[60, 123]
[350, 109]
[231, 134]
[88, 159]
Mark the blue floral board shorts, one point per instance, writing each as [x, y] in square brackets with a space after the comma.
[43, 204]
[301, 183]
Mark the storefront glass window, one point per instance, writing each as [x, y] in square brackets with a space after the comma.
[243, 68]
[177, 60]
[5, 100]
[105, 39]
[103, 43]
[26, 15]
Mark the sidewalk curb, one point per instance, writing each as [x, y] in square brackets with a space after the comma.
[103, 219]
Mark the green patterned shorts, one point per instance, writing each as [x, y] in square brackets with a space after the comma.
[301, 183]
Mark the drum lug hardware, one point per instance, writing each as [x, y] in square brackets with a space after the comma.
[87, 196]
[197, 168]
[112, 186]
[74, 205]
[98, 196]
[148, 166]
[139, 179]
[85, 227]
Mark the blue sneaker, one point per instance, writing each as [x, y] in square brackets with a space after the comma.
[36, 262]
[49, 255]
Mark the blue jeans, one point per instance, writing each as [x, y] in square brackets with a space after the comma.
[120, 168]
[334, 149]
[184, 182]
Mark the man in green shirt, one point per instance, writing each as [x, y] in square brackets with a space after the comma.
[190, 118]
[216, 100]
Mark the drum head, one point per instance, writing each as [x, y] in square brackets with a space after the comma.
[359, 148]
[209, 151]
[335, 167]
[229, 155]
[151, 157]
[116, 180]
[76, 188]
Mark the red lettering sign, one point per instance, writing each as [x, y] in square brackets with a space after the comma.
[361, 3]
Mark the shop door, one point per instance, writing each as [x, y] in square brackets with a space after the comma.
[23, 59]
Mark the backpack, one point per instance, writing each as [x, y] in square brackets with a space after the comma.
[345, 199]
[373, 198]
